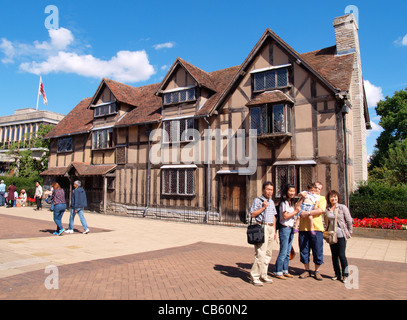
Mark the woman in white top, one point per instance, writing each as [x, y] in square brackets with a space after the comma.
[288, 214]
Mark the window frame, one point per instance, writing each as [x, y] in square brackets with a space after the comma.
[176, 96]
[105, 109]
[173, 130]
[275, 74]
[267, 118]
[295, 173]
[60, 141]
[173, 175]
[106, 143]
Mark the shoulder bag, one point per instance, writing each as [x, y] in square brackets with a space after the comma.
[331, 237]
[255, 233]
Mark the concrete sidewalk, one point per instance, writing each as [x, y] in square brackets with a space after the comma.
[118, 236]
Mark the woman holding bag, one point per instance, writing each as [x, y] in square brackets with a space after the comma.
[344, 227]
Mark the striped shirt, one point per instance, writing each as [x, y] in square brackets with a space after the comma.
[267, 216]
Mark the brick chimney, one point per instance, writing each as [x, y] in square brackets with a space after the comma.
[347, 42]
[346, 33]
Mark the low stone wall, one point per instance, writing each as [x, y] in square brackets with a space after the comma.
[380, 233]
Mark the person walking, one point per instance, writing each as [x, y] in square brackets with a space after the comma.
[312, 241]
[78, 203]
[2, 193]
[264, 210]
[38, 195]
[11, 199]
[343, 230]
[58, 200]
[288, 213]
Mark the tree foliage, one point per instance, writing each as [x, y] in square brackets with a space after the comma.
[393, 113]
[25, 165]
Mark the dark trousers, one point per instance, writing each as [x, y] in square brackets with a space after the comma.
[338, 256]
[38, 202]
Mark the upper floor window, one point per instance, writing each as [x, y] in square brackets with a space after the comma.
[179, 130]
[102, 139]
[269, 119]
[105, 109]
[65, 144]
[179, 96]
[270, 79]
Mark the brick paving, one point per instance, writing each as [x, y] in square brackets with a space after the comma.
[12, 227]
[201, 271]
[193, 272]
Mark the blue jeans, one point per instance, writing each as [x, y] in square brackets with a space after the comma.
[2, 199]
[307, 242]
[81, 217]
[59, 210]
[286, 235]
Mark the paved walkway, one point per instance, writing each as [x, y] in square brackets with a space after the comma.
[134, 258]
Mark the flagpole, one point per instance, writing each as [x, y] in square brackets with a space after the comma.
[38, 94]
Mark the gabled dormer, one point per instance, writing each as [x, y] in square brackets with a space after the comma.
[104, 103]
[184, 90]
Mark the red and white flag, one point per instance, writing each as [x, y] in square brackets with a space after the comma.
[42, 92]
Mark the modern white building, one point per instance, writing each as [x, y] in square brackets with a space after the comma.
[19, 127]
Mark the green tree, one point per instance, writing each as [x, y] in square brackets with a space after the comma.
[393, 112]
[25, 164]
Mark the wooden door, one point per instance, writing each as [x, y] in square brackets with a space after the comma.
[233, 198]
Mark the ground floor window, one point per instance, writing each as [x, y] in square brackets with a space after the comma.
[178, 181]
[299, 176]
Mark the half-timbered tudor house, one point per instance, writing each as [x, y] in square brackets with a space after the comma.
[159, 148]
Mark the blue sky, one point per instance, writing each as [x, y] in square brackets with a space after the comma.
[135, 42]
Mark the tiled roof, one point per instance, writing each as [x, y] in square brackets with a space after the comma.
[77, 121]
[202, 77]
[274, 96]
[221, 80]
[148, 107]
[335, 69]
[86, 169]
[83, 169]
[55, 171]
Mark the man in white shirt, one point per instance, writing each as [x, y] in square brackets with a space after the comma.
[38, 196]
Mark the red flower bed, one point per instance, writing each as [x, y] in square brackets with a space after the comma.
[30, 199]
[381, 223]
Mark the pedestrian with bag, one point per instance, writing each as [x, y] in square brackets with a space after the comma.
[339, 226]
[58, 200]
[264, 211]
[78, 203]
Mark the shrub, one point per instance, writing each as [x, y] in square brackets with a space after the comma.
[379, 200]
[22, 183]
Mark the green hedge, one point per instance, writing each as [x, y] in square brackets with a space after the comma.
[22, 183]
[379, 200]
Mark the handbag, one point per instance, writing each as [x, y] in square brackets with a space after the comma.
[255, 233]
[331, 237]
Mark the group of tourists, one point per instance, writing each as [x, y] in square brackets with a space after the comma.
[309, 216]
[10, 197]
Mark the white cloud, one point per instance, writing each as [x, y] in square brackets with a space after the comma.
[375, 129]
[166, 45]
[59, 55]
[60, 40]
[126, 66]
[373, 94]
[401, 41]
[8, 50]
